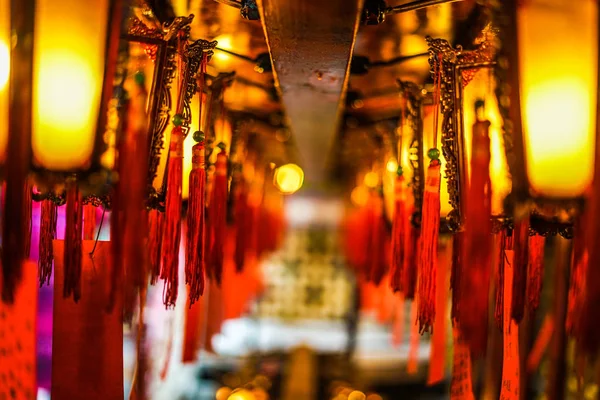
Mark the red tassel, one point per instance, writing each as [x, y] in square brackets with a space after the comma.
[156, 220]
[172, 226]
[194, 261]
[477, 246]
[399, 229]
[72, 251]
[428, 254]
[242, 216]
[377, 268]
[218, 216]
[535, 275]
[521, 259]
[89, 222]
[47, 234]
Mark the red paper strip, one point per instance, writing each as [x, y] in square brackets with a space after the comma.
[87, 341]
[17, 339]
[541, 344]
[461, 386]
[437, 359]
[510, 359]
[413, 351]
[398, 327]
[193, 329]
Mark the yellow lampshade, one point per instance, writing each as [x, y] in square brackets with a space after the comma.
[4, 74]
[69, 61]
[558, 63]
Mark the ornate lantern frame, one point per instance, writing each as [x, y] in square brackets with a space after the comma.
[457, 65]
[415, 96]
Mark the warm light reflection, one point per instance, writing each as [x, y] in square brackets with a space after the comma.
[481, 88]
[371, 179]
[4, 74]
[359, 196]
[289, 178]
[188, 143]
[68, 75]
[392, 165]
[226, 43]
[558, 51]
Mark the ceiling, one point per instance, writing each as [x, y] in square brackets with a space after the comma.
[332, 114]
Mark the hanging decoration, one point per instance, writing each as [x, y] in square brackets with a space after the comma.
[196, 214]
[48, 219]
[72, 253]
[218, 214]
[476, 259]
[430, 225]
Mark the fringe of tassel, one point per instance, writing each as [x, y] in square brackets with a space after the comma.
[48, 220]
[428, 255]
[73, 246]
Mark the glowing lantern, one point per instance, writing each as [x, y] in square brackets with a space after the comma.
[550, 55]
[289, 178]
[4, 74]
[72, 81]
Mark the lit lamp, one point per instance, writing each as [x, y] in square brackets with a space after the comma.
[548, 70]
[547, 93]
[4, 74]
[62, 61]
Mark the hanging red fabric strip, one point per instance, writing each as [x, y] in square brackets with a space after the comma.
[72, 250]
[155, 223]
[510, 359]
[502, 243]
[129, 220]
[398, 327]
[218, 216]
[47, 235]
[412, 364]
[428, 254]
[411, 269]
[521, 248]
[437, 359]
[398, 233]
[192, 330]
[242, 224]
[87, 341]
[541, 344]
[18, 339]
[535, 274]
[377, 239]
[89, 222]
[476, 257]
[579, 265]
[172, 225]
[456, 273]
[461, 385]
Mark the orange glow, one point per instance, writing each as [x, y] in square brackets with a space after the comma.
[371, 179]
[558, 88]
[68, 74]
[4, 74]
[360, 196]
